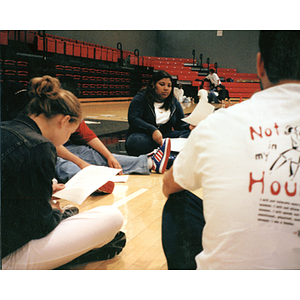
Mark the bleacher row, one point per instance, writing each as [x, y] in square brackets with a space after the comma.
[94, 83]
[243, 85]
[83, 62]
[60, 45]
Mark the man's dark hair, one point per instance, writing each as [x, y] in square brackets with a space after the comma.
[280, 51]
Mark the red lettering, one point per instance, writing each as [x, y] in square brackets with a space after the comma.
[252, 181]
[288, 193]
[276, 127]
[273, 191]
[268, 132]
[253, 131]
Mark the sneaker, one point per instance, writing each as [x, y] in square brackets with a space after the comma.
[108, 251]
[170, 161]
[106, 188]
[69, 211]
[160, 158]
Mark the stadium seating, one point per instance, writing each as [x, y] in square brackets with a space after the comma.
[100, 82]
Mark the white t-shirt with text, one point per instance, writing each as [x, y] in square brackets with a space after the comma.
[247, 160]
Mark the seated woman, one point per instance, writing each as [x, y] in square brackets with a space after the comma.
[153, 115]
[34, 231]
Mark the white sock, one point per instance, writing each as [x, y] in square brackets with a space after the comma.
[150, 163]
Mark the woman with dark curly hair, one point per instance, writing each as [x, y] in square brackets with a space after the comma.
[154, 114]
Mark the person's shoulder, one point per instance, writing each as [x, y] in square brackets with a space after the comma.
[140, 95]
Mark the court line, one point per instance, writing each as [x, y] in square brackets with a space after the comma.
[130, 197]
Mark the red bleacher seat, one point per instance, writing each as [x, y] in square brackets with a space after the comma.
[77, 49]
[40, 43]
[91, 52]
[98, 52]
[22, 63]
[109, 55]
[60, 46]
[3, 37]
[69, 47]
[241, 84]
[104, 53]
[50, 44]
[12, 35]
[27, 36]
[83, 50]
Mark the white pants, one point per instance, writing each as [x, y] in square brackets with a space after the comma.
[73, 237]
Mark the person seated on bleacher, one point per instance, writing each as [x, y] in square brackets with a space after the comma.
[155, 114]
[219, 95]
[214, 79]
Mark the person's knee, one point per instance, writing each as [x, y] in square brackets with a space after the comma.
[175, 203]
[108, 216]
[139, 143]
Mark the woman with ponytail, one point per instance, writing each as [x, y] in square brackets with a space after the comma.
[35, 232]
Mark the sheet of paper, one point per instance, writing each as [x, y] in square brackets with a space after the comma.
[120, 178]
[85, 182]
[177, 144]
[200, 112]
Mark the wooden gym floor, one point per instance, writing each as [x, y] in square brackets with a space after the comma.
[141, 202]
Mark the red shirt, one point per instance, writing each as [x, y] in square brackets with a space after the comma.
[82, 135]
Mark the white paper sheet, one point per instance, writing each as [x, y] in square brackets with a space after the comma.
[200, 112]
[177, 144]
[120, 178]
[85, 182]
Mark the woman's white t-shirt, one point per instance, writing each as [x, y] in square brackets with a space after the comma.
[162, 115]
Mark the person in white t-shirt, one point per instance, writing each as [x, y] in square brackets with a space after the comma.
[202, 95]
[249, 170]
[179, 93]
[213, 78]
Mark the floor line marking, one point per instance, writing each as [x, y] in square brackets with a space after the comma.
[130, 197]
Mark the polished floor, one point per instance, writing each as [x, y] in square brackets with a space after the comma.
[141, 202]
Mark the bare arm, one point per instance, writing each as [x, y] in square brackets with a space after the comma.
[169, 185]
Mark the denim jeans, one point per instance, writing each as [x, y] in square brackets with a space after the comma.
[182, 226]
[141, 143]
[212, 98]
[65, 169]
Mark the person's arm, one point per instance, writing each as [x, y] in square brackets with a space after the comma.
[97, 145]
[169, 185]
[136, 113]
[38, 189]
[64, 153]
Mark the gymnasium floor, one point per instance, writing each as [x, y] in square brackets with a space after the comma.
[141, 202]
